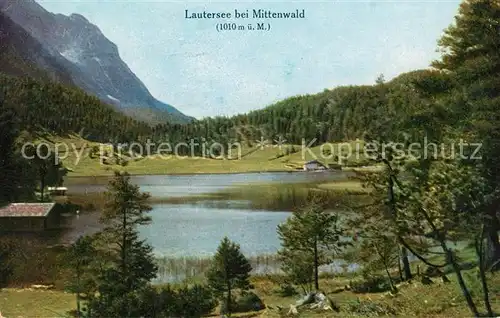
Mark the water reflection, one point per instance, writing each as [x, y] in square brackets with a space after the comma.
[195, 228]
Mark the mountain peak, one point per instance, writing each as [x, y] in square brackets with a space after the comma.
[96, 66]
[77, 16]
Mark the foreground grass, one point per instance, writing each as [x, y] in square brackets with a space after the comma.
[413, 300]
[35, 303]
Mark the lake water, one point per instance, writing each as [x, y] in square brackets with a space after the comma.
[195, 229]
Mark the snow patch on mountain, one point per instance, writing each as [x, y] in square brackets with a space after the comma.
[113, 98]
[72, 55]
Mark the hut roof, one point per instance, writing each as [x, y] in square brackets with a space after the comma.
[313, 161]
[26, 209]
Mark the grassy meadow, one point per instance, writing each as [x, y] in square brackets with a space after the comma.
[76, 154]
[35, 303]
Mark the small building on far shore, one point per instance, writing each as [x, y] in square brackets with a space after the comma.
[57, 190]
[314, 165]
[29, 217]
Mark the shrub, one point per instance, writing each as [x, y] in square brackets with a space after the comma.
[249, 301]
[69, 207]
[368, 308]
[20, 255]
[192, 301]
[335, 166]
[371, 285]
[356, 164]
[195, 301]
[286, 290]
[433, 272]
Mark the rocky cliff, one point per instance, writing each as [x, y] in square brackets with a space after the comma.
[92, 60]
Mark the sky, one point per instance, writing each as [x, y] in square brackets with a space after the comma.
[202, 72]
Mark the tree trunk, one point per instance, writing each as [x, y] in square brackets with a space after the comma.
[480, 255]
[78, 274]
[493, 248]
[400, 270]
[391, 282]
[450, 258]
[392, 202]
[42, 187]
[124, 248]
[316, 264]
[406, 263]
[461, 282]
[228, 300]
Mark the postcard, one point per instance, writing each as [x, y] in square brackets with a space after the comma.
[249, 158]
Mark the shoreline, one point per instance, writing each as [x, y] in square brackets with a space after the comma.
[346, 170]
[200, 173]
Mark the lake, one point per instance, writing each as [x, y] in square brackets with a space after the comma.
[194, 229]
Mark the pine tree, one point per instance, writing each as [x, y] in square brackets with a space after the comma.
[230, 271]
[376, 246]
[46, 166]
[471, 57]
[8, 133]
[313, 233]
[78, 259]
[131, 263]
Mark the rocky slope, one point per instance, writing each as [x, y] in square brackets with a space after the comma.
[21, 54]
[92, 61]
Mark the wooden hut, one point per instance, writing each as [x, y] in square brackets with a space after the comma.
[314, 165]
[29, 217]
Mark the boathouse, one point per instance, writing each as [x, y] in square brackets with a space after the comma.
[29, 217]
[57, 190]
